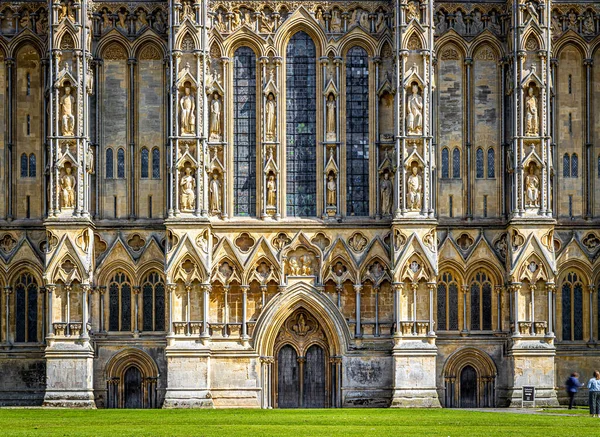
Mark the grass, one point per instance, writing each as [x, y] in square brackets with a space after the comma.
[296, 423]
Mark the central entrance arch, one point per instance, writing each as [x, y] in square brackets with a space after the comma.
[301, 377]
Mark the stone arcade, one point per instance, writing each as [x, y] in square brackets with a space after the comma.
[214, 203]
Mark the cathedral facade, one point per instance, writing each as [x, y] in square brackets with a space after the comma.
[281, 204]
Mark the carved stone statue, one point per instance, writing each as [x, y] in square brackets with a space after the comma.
[270, 117]
[271, 191]
[67, 104]
[531, 114]
[89, 157]
[331, 122]
[215, 118]
[188, 116]
[532, 187]
[331, 191]
[67, 186]
[415, 188]
[188, 191]
[387, 190]
[336, 22]
[414, 114]
[294, 267]
[306, 267]
[215, 194]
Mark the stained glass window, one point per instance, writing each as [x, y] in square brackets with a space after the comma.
[26, 311]
[32, 166]
[599, 166]
[24, 171]
[456, 163]
[445, 163]
[301, 126]
[153, 292]
[145, 159]
[109, 164]
[481, 303]
[119, 294]
[572, 308]
[566, 166]
[357, 132]
[574, 166]
[491, 164]
[121, 164]
[447, 303]
[479, 164]
[244, 132]
[155, 163]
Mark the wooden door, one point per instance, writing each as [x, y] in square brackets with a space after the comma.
[133, 388]
[314, 378]
[468, 388]
[288, 380]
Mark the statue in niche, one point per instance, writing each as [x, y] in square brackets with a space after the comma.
[271, 117]
[188, 190]
[215, 194]
[380, 24]
[294, 266]
[67, 103]
[66, 10]
[89, 158]
[331, 190]
[215, 118]
[271, 191]
[122, 21]
[532, 187]
[336, 22]
[415, 111]
[142, 18]
[386, 188]
[25, 21]
[306, 268]
[331, 122]
[106, 21]
[188, 116]
[67, 186]
[531, 114]
[415, 189]
[187, 11]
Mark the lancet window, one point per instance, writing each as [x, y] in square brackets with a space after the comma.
[26, 309]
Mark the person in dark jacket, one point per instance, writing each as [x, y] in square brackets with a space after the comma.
[573, 385]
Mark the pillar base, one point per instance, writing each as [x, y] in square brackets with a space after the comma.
[415, 374]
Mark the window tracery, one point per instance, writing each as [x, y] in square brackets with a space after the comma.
[447, 303]
[572, 308]
[481, 303]
[119, 294]
[26, 309]
[153, 295]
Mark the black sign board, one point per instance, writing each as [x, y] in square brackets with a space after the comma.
[528, 394]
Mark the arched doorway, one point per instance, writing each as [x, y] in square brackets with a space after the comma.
[469, 380]
[132, 380]
[302, 377]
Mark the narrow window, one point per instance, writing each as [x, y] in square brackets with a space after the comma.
[357, 132]
[572, 308]
[26, 309]
[28, 84]
[566, 166]
[301, 126]
[599, 166]
[28, 204]
[155, 163]
[109, 164]
[115, 205]
[570, 84]
[144, 169]
[574, 166]
[32, 166]
[570, 123]
[153, 294]
[456, 163]
[446, 163]
[244, 131]
[450, 205]
[121, 164]
[24, 170]
[28, 124]
[571, 205]
[491, 164]
[479, 163]
[485, 205]
[447, 303]
[119, 295]
[149, 206]
[481, 303]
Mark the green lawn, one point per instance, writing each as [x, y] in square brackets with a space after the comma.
[296, 423]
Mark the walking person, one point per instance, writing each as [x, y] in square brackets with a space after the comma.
[594, 387]
[573, 386]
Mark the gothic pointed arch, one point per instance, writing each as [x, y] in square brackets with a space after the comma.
[300, 20]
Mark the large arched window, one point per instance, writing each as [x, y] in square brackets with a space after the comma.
[109, 164]
[481, 303]
[456, 163]
[447, 303]
[572, 308]
[491, 163]
[155, 163]
[153, 293]
[479, 164]
[119, 294]
[357, 132]
[26, 309]
[244, 132]
[301, 126]
[145, 159]
[445, 163]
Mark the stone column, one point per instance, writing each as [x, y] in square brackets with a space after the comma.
[7, 293]
[101, 292]
[85, 288]
[431, 286]
[171, 290]
[245, 289]
[50, 291]
[550, 287]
